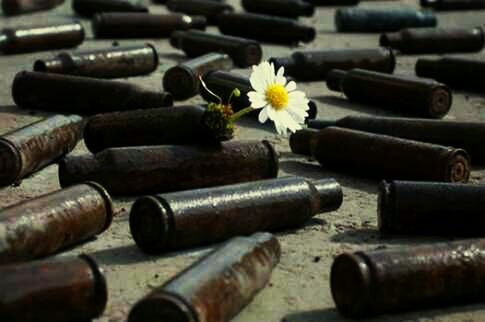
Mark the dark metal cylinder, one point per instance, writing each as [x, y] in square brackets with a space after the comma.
[282, 8]
[168, 125]
[29, 149]
[379, 20]
[194, 218]
[469, 136]
[387, 157]
[408, 278]
[182, 81]
[461, 73]
[326, 3]
[265, 28]
[49, 223]
[435, 40]
[39, 38]
[445, 5]
[82, 95]
[315, 65]
[244, 52]
[88, 8]
[143, 25]
[302, 140]
[62, 289]
[408, 95]
[431, 208]
[115, 62]
[223, 83]
[156, 169]
[18, 7]
[215, 288]
[207, 8]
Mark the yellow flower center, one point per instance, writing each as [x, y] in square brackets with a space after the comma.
[277, 96]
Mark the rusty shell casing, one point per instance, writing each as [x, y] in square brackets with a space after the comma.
[182, 81]
[450, 5]
[82, 95]
[460, 73]
[431, 208]
[382, 20]
[157, 169]
[207, 8]
[404, 94]
[39, 38]
[302, 140]
[187, 219]
[115, 62]
[387, 157]
[465, 135]
[62, 289]
[217, 287]
[169, 125]
[282, 8]
[434, 40]
[244, 52]
[315, 65]
[365, 284]
[88, 8]
[143, 25]
[327, 3]
[29, 149]
[223, 83]
[18, 7]
[276, 29]
[52, 222]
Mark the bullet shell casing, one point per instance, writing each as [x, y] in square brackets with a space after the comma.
[18, 7]
[282, 8]
[114, 62]
[244, 52]
[386, 157]
[29, 149]
[88, 8]
[157, 169]
[326, 3]
[366, 284]
[302, 140]
[200, 217]
[52, 222]
[230, 276]
[207, 8]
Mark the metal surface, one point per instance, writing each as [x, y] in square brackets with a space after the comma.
[460, 73]
[404, 94]
[217, 287]
[265, 28]
[200, 217]
[156, 169]
[18, 7]
[43, 37]
[29, 149]
[430, 208]
[168, 125]
[332, 3]
[408, 278]
[52, 222]
[301, 141]
[209, 9]
[435, 40]
[88, 8]
[182, 81]
[382, 20]
[143, 25]
[244, 52]
[387, 157]
[115, 62]
[315, 65]
[282, 8]
[57, 290]
[451, 5]
[469, 136]
[82, 95]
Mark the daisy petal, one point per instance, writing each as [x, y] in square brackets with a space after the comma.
[257, 99]
[280, 78]
[263, 115]
[291, 86]
[292, 125]
[257, 79]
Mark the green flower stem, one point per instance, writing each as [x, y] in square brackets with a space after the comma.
[238, 115]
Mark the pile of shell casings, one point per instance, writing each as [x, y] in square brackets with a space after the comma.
[194, 188]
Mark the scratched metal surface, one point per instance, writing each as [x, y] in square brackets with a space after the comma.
[299, 290]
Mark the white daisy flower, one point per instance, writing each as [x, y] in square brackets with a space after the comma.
[278, 100]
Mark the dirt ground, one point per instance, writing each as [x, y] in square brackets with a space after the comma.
[299, 290]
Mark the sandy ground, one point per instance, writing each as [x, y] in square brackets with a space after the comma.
[299, 290]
